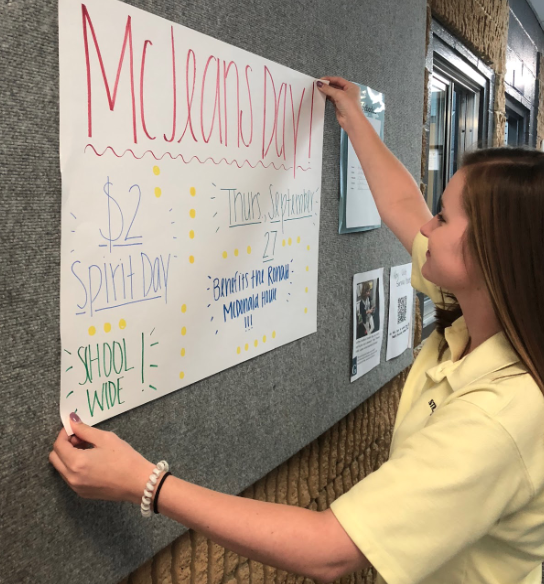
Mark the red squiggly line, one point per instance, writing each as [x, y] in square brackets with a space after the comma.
[192, 158]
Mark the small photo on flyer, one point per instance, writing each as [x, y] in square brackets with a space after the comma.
[367, 321]
[367, 308]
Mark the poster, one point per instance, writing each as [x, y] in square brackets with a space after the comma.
[358, 212]
[191, 186]
[368, 323]
[401, 303]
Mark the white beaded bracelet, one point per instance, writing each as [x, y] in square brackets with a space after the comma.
[145, 507]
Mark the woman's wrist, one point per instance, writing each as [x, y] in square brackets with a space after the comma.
[355, 123]
[139, 481]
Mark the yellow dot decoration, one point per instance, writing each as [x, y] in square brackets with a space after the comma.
[306, 290]
[246, 347]
[283, 243]
[225, 255]
[238, 350]
[122, 324]
[107, 327]
[92, 330]
[192, 190]
[305, 311]
[273, 334]
[236, 252]
[249, 249]
[298, 239]
[308, 248]
[156, 170]
[181, 375]
[184, 308]
[290, 241]
[191, 259]
[307, 268]
[182, 352]
[192, 213]
[183, 331]
[256, 342]
[264, 338]
[192, 234]
[158, 192]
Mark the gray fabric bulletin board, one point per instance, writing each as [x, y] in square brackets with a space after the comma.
[231, 429]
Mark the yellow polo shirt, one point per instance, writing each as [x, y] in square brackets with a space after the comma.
[461, 498]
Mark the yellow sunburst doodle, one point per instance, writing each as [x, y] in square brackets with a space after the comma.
[256, 342]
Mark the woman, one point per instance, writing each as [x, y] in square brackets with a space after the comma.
[461, 499]
[367, 308]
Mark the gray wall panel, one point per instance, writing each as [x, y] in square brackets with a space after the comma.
[227, 431]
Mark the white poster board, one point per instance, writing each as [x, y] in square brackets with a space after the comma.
[191, 175]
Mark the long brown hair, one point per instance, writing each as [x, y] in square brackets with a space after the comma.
[503, 198]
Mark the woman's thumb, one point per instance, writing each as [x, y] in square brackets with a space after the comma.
[325, 88]
[82, 431]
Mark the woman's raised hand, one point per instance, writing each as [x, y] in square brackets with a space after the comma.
[346, 97]
[99, 465]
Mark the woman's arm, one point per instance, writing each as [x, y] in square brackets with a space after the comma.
[290, 538]
[297, 540]
[397, 196]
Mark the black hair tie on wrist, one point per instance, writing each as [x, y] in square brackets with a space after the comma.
[166, 474]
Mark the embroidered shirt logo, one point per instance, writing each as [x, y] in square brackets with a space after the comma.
[433, 406]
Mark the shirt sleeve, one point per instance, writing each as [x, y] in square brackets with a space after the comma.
[419, 249]
[441, 490]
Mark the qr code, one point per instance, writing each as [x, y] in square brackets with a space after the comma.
[402, 308]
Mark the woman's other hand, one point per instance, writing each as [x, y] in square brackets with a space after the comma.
[99, 465]
[346, 97]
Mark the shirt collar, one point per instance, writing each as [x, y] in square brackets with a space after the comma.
[457, 338]
[492, 355]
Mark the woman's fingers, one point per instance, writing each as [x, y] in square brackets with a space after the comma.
[71, 478]
[339, 82]
[98, 464]
[78, 443]
[87, 433]
[55, 460]
[346, 99]
[328, 90]
[64, 449]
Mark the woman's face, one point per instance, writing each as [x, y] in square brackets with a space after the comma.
[447, 266]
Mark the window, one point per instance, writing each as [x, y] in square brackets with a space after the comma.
[516, 131]
[459, 118]
[459, 114]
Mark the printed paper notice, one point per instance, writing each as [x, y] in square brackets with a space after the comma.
[401, 301]
[367, 322]
[361, 209]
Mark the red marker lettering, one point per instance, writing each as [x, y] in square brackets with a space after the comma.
[173, 88]
[142, 114]
[127, 41]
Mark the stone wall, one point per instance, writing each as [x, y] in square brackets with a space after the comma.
[482, 25]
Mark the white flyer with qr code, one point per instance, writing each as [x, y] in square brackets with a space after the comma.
[368, 322]
[401, 302]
